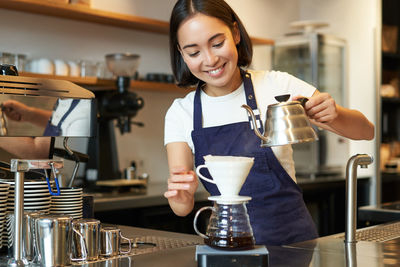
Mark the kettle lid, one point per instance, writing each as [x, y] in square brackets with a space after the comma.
[283, 101]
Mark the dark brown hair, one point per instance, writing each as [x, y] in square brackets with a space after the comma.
[219, 9]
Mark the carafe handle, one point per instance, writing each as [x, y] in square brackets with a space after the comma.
[201, 176]
[130, 245]
[195, 220]
[83, 246]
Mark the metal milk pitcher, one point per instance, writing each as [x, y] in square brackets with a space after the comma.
[54, 237]
[110, 241]
[286, 123]
[90, 230]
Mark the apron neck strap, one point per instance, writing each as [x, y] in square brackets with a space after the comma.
[74, 103]
[250, 100]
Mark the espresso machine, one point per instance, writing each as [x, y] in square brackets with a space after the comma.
[45, 96]
[116, 108]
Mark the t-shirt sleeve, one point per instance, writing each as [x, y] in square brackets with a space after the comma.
[174, 125]
[299, 87]
[279, 83]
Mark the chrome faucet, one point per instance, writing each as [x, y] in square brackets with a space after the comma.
[351, 194]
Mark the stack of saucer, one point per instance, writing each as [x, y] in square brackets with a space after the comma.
[69, 202]
[4, 188]
[36, 196]
[8, 232]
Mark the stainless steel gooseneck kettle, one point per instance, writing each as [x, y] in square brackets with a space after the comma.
[286, 123]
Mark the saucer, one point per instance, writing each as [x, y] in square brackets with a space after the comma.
[229, 199]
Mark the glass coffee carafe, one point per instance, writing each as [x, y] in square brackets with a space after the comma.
[229, 226]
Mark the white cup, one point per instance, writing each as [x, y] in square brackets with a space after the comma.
[41, 65]
[88, 68]
[228, 172]
[61, 67]
[74, 69]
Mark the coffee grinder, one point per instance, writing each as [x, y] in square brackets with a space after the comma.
[119, 105]
[229, 237]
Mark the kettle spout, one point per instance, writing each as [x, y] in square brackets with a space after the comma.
[253, 121]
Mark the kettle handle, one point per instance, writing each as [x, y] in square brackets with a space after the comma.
[302, 100]
[195, 221]
[201, 176]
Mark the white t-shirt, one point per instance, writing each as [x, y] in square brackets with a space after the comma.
[77, 122]
[227, 109]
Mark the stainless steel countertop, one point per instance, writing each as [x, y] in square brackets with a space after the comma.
[333, 251]
[154, 194]
[321, 252]
[381, 213]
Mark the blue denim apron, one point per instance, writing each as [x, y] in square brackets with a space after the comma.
[55, 130]
[277, 212]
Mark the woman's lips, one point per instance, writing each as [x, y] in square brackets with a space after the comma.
[216, 72]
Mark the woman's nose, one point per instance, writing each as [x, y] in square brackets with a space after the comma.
[210, 58]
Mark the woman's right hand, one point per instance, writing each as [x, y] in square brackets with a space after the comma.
[182, 185]
[182, 181]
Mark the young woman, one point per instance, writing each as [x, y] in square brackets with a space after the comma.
[209, 48]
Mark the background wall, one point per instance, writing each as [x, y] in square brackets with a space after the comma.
[356, 22]
[40, 36]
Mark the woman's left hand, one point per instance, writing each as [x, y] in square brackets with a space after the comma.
[321, 107]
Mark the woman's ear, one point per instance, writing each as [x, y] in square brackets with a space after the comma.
[236, 33]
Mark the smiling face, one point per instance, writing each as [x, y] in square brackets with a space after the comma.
[208, 48]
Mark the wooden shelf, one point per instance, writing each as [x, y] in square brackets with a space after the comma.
[96, 84]
[84, 13]
[261, 41]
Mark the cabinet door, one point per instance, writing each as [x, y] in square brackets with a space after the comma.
[294, 59]
[331, 70]
[319, 60]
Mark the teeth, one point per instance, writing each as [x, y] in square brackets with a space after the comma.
[215, 71]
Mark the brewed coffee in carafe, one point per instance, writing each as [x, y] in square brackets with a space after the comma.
[229, 226]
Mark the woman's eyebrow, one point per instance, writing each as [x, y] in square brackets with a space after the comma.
[210, 39]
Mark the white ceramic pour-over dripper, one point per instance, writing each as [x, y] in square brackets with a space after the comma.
[228, 172]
